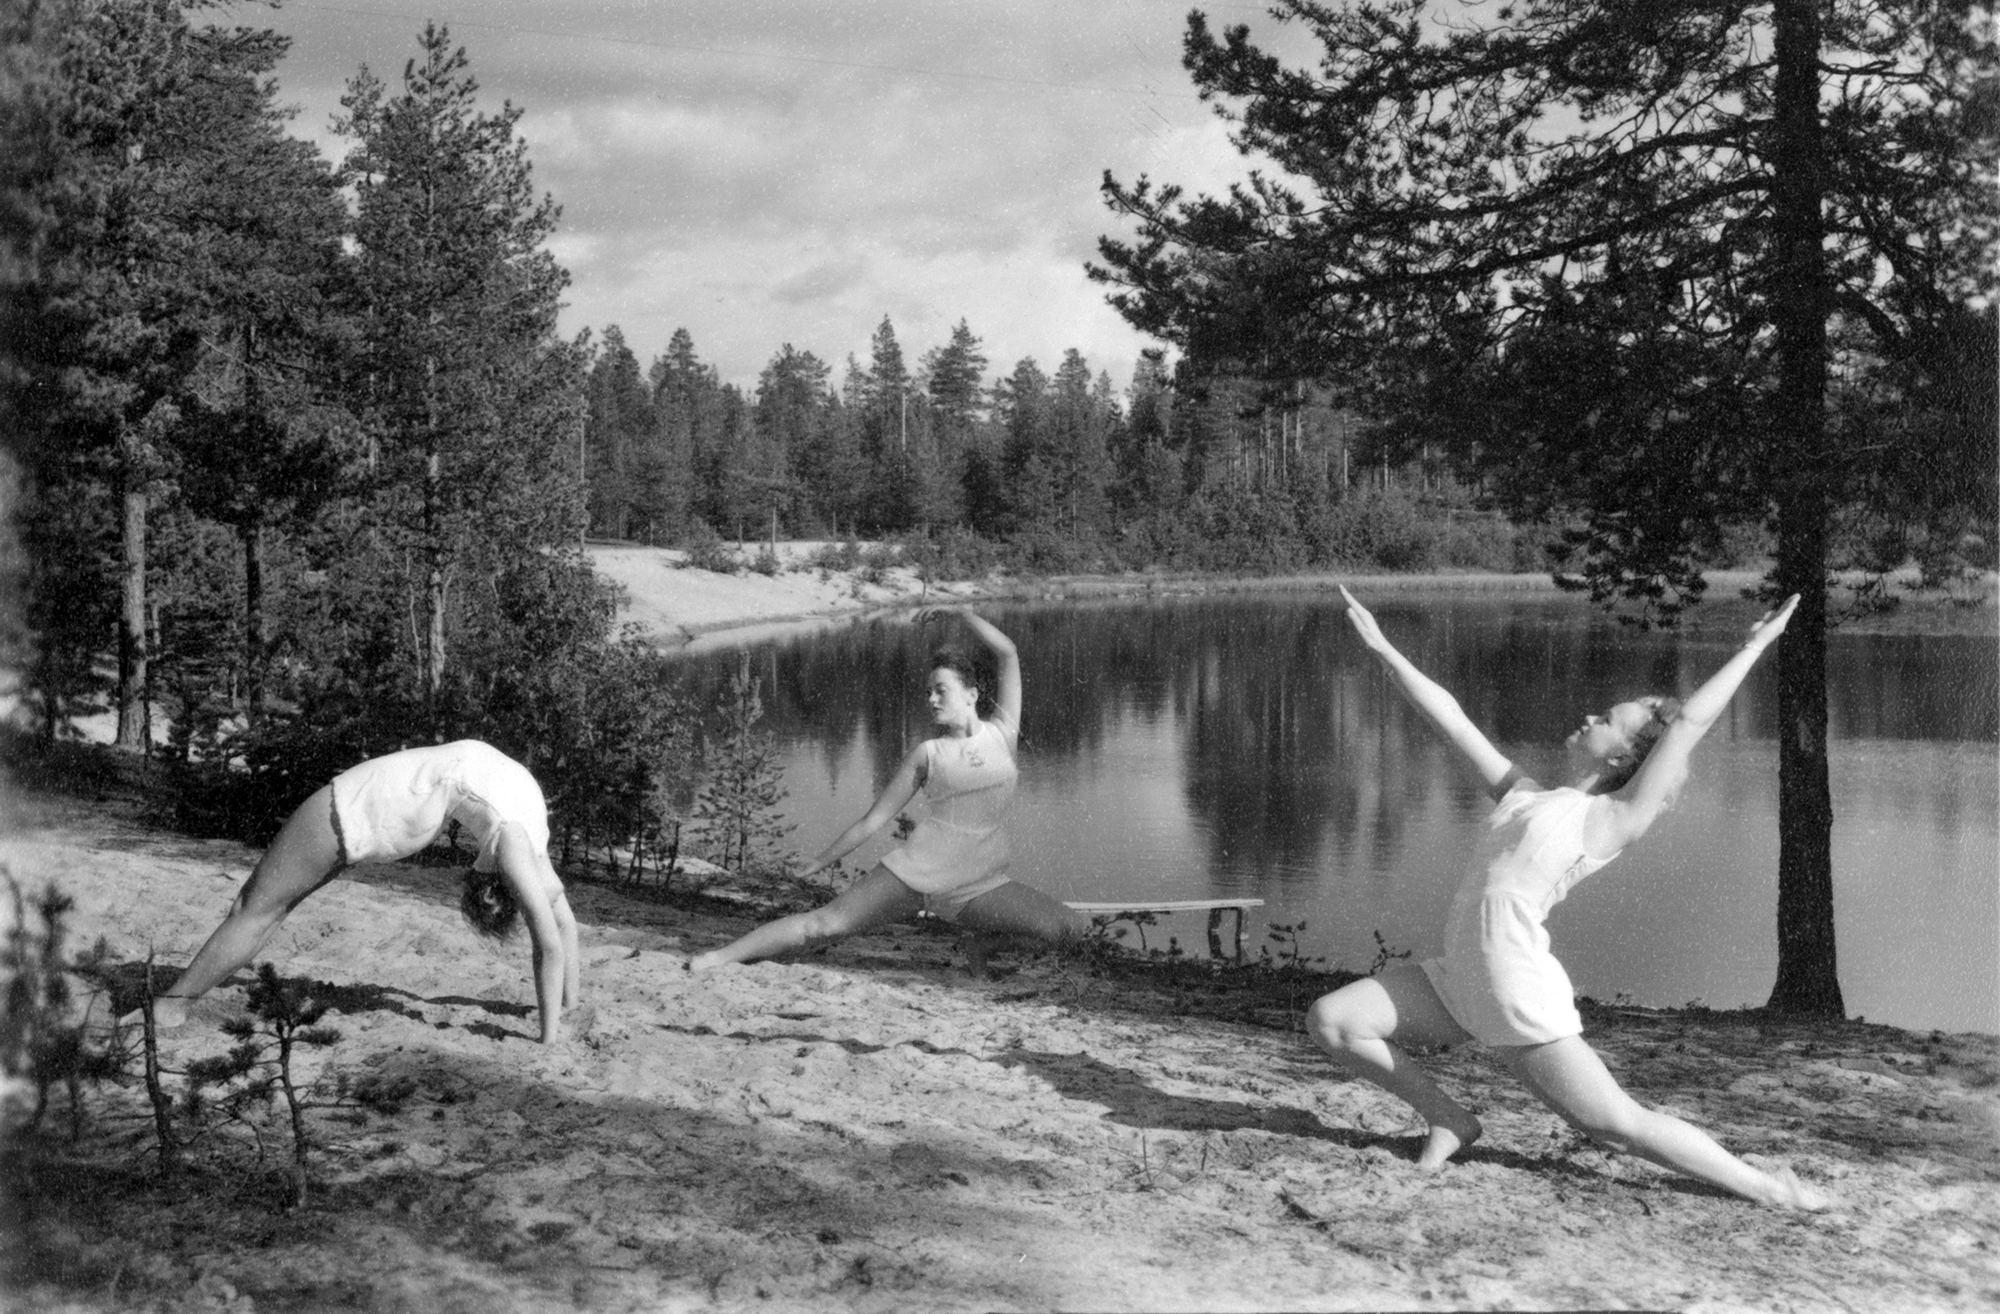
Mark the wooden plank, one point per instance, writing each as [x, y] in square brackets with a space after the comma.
[1167, 905]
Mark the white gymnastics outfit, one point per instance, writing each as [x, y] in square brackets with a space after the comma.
[1496, 975]
[959, 849]
[391, 807]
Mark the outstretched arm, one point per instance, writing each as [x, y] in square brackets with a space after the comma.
[902, 787]
[1007, 658]
[1659, 779]
[1435, 702]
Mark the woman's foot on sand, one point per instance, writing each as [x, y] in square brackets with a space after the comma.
[1788, 1192]
[706, 962]
[168, 1013]
[1446, 1140]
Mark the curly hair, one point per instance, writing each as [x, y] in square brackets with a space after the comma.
[962, 664]
[488, 904]
[1627, 764]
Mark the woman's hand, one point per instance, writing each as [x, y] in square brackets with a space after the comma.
[1766, 631]
[935, 612]
[1363, 622]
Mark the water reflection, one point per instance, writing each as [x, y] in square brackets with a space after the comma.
[1189, 747]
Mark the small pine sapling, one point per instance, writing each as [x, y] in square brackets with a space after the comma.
[737, 808]
[284, 1014]
[165, 1135]
[43, 1038]
[1384, 955]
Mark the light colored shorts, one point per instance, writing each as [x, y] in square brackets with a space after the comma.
[948, 905]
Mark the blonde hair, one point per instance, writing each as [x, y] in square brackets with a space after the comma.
[1627, 764]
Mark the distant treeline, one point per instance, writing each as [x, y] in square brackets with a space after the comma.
[303, 469]
[1188, 468]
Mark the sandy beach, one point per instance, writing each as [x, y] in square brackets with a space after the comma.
[679, 607]
[869, 1128]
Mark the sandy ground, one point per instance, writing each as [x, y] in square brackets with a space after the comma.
[870, 1129]
[675, 604]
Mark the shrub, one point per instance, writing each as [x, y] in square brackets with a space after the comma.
[835, 556]
[705, 550]
[950, 554]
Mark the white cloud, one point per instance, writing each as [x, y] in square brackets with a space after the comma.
[769, 171]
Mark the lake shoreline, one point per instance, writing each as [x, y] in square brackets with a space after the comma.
[683, 607]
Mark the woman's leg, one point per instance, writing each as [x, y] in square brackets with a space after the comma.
[304, 856]
[1356, 1023]
[1568, 1076]
[875, 900]
[1016, 909]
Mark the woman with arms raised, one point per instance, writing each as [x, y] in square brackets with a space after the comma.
[955, 864]
[391, 807]
[1496, 980]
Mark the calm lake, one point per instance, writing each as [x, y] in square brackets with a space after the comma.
[1247, 745]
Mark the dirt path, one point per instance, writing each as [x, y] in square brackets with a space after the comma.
[870, 1129]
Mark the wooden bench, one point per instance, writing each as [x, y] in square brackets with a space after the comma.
[1213, 907]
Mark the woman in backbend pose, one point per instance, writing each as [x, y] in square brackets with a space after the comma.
[391, 807]
[1496, 980]
[955, 863]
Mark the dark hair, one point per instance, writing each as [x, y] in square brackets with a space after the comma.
[960, 663]
[1627, 764]
[488, 904]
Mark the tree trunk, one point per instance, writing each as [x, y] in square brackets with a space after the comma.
[132, 673]
[433, 653]
[251, 535]
[1807, 978]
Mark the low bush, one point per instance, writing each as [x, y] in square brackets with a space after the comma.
[705, 550]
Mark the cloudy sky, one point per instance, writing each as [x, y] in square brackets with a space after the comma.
[771, 171]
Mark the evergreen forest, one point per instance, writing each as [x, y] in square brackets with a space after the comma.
[303, 470]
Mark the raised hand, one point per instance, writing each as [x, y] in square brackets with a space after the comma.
[1363, 622]
[935, 612]
[1766, 631]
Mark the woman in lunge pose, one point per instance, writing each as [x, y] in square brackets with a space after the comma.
[954, 865]
[1496, 980]
[391, 807]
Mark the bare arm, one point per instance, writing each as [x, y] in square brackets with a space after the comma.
[1435, 702]
[902, 787]
[1633, 809]
[1006, 698]
[572, 994]
[520, 868]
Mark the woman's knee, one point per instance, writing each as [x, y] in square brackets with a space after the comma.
[822, 926]
[1614, 1123]
[1340, 1020]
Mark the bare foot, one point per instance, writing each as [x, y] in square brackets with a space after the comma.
[706, 962]
[1791, 1193]
[168, 1013]
[1447, 1140]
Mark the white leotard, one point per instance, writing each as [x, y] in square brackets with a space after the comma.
[962, 841]
[1496, 975]
[391, 807]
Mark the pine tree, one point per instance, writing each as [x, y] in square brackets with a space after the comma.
[1661, 214]
[621, 424]
[476, 404]
[735, 810]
